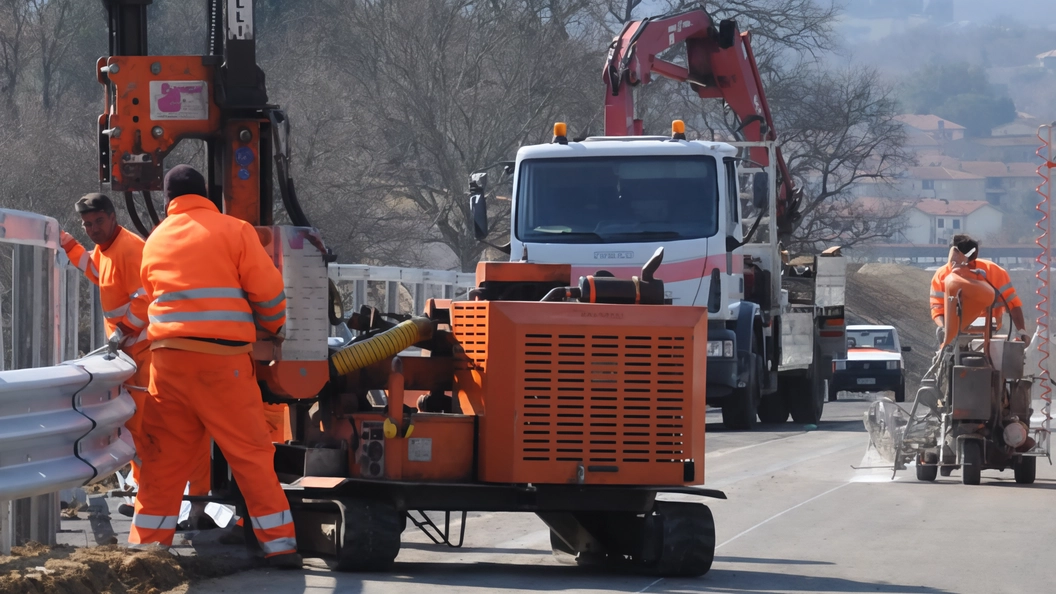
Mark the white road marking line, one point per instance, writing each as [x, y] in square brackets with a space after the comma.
[721, 453]
[650, 585]
[779, 514]
[773, 517]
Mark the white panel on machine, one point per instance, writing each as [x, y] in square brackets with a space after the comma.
[298, 253]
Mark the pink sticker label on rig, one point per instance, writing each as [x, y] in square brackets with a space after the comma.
[179, 100]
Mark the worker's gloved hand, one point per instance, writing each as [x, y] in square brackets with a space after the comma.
[1022, 335]
[115, 341]
[940, 334]
[66, 240]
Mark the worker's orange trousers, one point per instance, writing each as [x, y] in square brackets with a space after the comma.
[137, 386]
[193, 394]
[137, 389]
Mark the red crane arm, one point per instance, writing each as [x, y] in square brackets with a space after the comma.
[720, 65]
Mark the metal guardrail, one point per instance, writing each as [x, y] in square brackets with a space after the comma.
[419, 284]
[62, 426]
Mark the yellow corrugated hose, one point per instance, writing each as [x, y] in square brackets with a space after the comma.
[382, 346]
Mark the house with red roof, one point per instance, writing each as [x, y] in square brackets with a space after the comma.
[932, 221]
[939, 129]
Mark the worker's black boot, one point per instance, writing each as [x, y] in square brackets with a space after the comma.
[286, 561]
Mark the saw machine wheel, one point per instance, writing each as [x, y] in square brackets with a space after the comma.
[370, 535]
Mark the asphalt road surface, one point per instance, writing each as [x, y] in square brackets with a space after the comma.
[799, 518]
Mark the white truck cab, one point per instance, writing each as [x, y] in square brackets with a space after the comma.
[605, 204]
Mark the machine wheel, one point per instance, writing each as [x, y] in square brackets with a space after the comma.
[740, 412]
[927, 473]
[371, 535]
[1026, 470]
[686, 534]
[833, 392]
[900, 391]
[972, 462]
[808, 400]
[773, 408]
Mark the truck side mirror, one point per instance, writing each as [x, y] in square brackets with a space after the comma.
[732, 243]
[478, 209]
[760, 191]
[907, 349]
[478, 206]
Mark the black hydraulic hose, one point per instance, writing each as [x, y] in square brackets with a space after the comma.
[561, 294]
[130, 202]
[151, 211]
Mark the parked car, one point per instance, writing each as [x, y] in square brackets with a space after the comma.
[874, 363]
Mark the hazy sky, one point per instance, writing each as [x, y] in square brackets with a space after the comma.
[1039, 12]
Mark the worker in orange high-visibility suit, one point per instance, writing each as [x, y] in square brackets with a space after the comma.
[211, 284]
[964, 251]
[114, 266]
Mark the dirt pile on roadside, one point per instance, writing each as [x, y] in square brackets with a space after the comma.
[38, 569]
[895, 295]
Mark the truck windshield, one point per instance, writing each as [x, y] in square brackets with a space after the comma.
[871, 339]
[617, 199]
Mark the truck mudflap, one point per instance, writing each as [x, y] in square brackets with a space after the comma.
[797, 340]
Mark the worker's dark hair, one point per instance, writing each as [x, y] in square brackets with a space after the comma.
[181, 180]
[94, 202]
[964, 244]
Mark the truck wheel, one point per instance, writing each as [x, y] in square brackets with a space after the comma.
[773, 408]
[972, 462]
[808, 399]
[900, 391]
[741, 409]
[1026, 470]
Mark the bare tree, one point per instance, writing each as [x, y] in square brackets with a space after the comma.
[848, 222]
[838, 128]
[14, 18]
[53, 29]
[447, 87]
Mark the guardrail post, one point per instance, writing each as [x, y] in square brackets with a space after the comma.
[97, 329]
[392, 297]
[71, 313]
[419, 299]
[360, 297]
[7, 535]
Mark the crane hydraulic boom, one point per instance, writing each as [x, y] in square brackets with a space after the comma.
[719, 65]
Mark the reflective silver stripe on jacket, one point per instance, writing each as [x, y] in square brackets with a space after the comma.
[207, 293]
[203, 316]
[83, 262]
[279, 545]
[939, 294]
[154, 522]
[272, 520]
[116, 313]
[271, 318]
[139, 293]
[271, 302]
[135, 321]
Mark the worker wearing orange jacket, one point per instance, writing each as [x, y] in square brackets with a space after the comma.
[114, 266]
[211, 284]
[965, 251]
